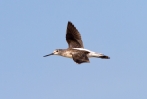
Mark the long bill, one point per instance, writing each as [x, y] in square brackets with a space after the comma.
[48, 55]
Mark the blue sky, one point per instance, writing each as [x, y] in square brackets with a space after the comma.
[30, 29]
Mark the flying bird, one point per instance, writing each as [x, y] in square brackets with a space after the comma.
[75, 48]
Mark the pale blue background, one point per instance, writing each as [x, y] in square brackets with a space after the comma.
[30, 29]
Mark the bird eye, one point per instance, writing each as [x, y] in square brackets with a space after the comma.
[56, 50]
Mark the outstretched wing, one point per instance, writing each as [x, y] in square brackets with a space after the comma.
[73, 37]
[80, 57]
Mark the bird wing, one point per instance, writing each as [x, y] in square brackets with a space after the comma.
[80, 57]
[73, 37]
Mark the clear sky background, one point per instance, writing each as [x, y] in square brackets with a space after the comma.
[30, 29]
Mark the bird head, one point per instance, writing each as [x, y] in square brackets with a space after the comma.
[55, 52]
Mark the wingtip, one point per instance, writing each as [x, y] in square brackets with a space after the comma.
[69, 22]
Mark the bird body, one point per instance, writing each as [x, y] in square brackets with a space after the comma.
[69, 52]
[75, 48]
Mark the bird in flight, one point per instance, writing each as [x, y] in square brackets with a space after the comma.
[75, 48]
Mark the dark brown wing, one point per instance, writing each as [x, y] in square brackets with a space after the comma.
[73, 37]
[80, 57]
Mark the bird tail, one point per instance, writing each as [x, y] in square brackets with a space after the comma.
[98, 55]
[104, 57]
